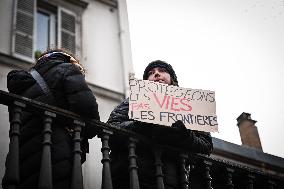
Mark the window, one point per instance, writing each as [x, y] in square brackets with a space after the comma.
[39, 25]
[45, 31]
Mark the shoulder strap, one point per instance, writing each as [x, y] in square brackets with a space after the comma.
[40, 81]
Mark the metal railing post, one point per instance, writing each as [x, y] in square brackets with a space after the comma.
[77, 176]
[106, 175]
[45, 175]
[13, 170]
[134, 181]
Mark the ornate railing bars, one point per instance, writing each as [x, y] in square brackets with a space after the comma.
[134, 181]
[271, 184]
[45, 175]
[12, 171]
[237, 175]
[77, 176]
[229, 178]
[208, 178]
[183, 171]
[106, 172]
[159, 172]
[250, 181]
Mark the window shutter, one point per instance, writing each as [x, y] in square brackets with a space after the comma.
[23, 31]
[67, 30]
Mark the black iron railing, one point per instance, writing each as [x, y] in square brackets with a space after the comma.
[218, 173]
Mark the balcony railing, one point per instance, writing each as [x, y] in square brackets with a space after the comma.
[217, 173]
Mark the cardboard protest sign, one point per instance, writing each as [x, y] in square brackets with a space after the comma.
[163, 104]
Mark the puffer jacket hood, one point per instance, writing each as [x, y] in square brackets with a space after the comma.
[19, 80]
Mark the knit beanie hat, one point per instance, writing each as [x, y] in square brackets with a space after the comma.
[161, 64]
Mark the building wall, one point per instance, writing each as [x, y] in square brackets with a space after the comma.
[101, 46]
[4, 121]
[6, 7]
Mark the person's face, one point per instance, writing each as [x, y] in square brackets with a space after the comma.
[159, 75]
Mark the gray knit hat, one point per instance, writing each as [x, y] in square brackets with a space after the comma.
[161, 64]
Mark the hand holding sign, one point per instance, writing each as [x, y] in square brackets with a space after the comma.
[179, 125]
[163, 104]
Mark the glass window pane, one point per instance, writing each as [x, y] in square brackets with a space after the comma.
[42, 31]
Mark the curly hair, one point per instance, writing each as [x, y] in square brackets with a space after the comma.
[68, 56]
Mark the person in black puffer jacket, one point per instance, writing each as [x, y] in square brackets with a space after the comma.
[177, 135]
[65, 79]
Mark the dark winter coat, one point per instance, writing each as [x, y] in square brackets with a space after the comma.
[192, 141]
[70, 92]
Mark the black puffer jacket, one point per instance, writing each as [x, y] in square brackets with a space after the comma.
[192, 141]
[70, 92]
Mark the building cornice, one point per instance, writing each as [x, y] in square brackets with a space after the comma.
[112, 3]
[14, 62]
[78, 3]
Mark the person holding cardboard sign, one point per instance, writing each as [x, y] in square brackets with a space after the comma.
[177, 135]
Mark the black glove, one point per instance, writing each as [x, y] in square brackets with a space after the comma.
[129, 125]
[179, 125]
[135, 126]
[181, 130]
